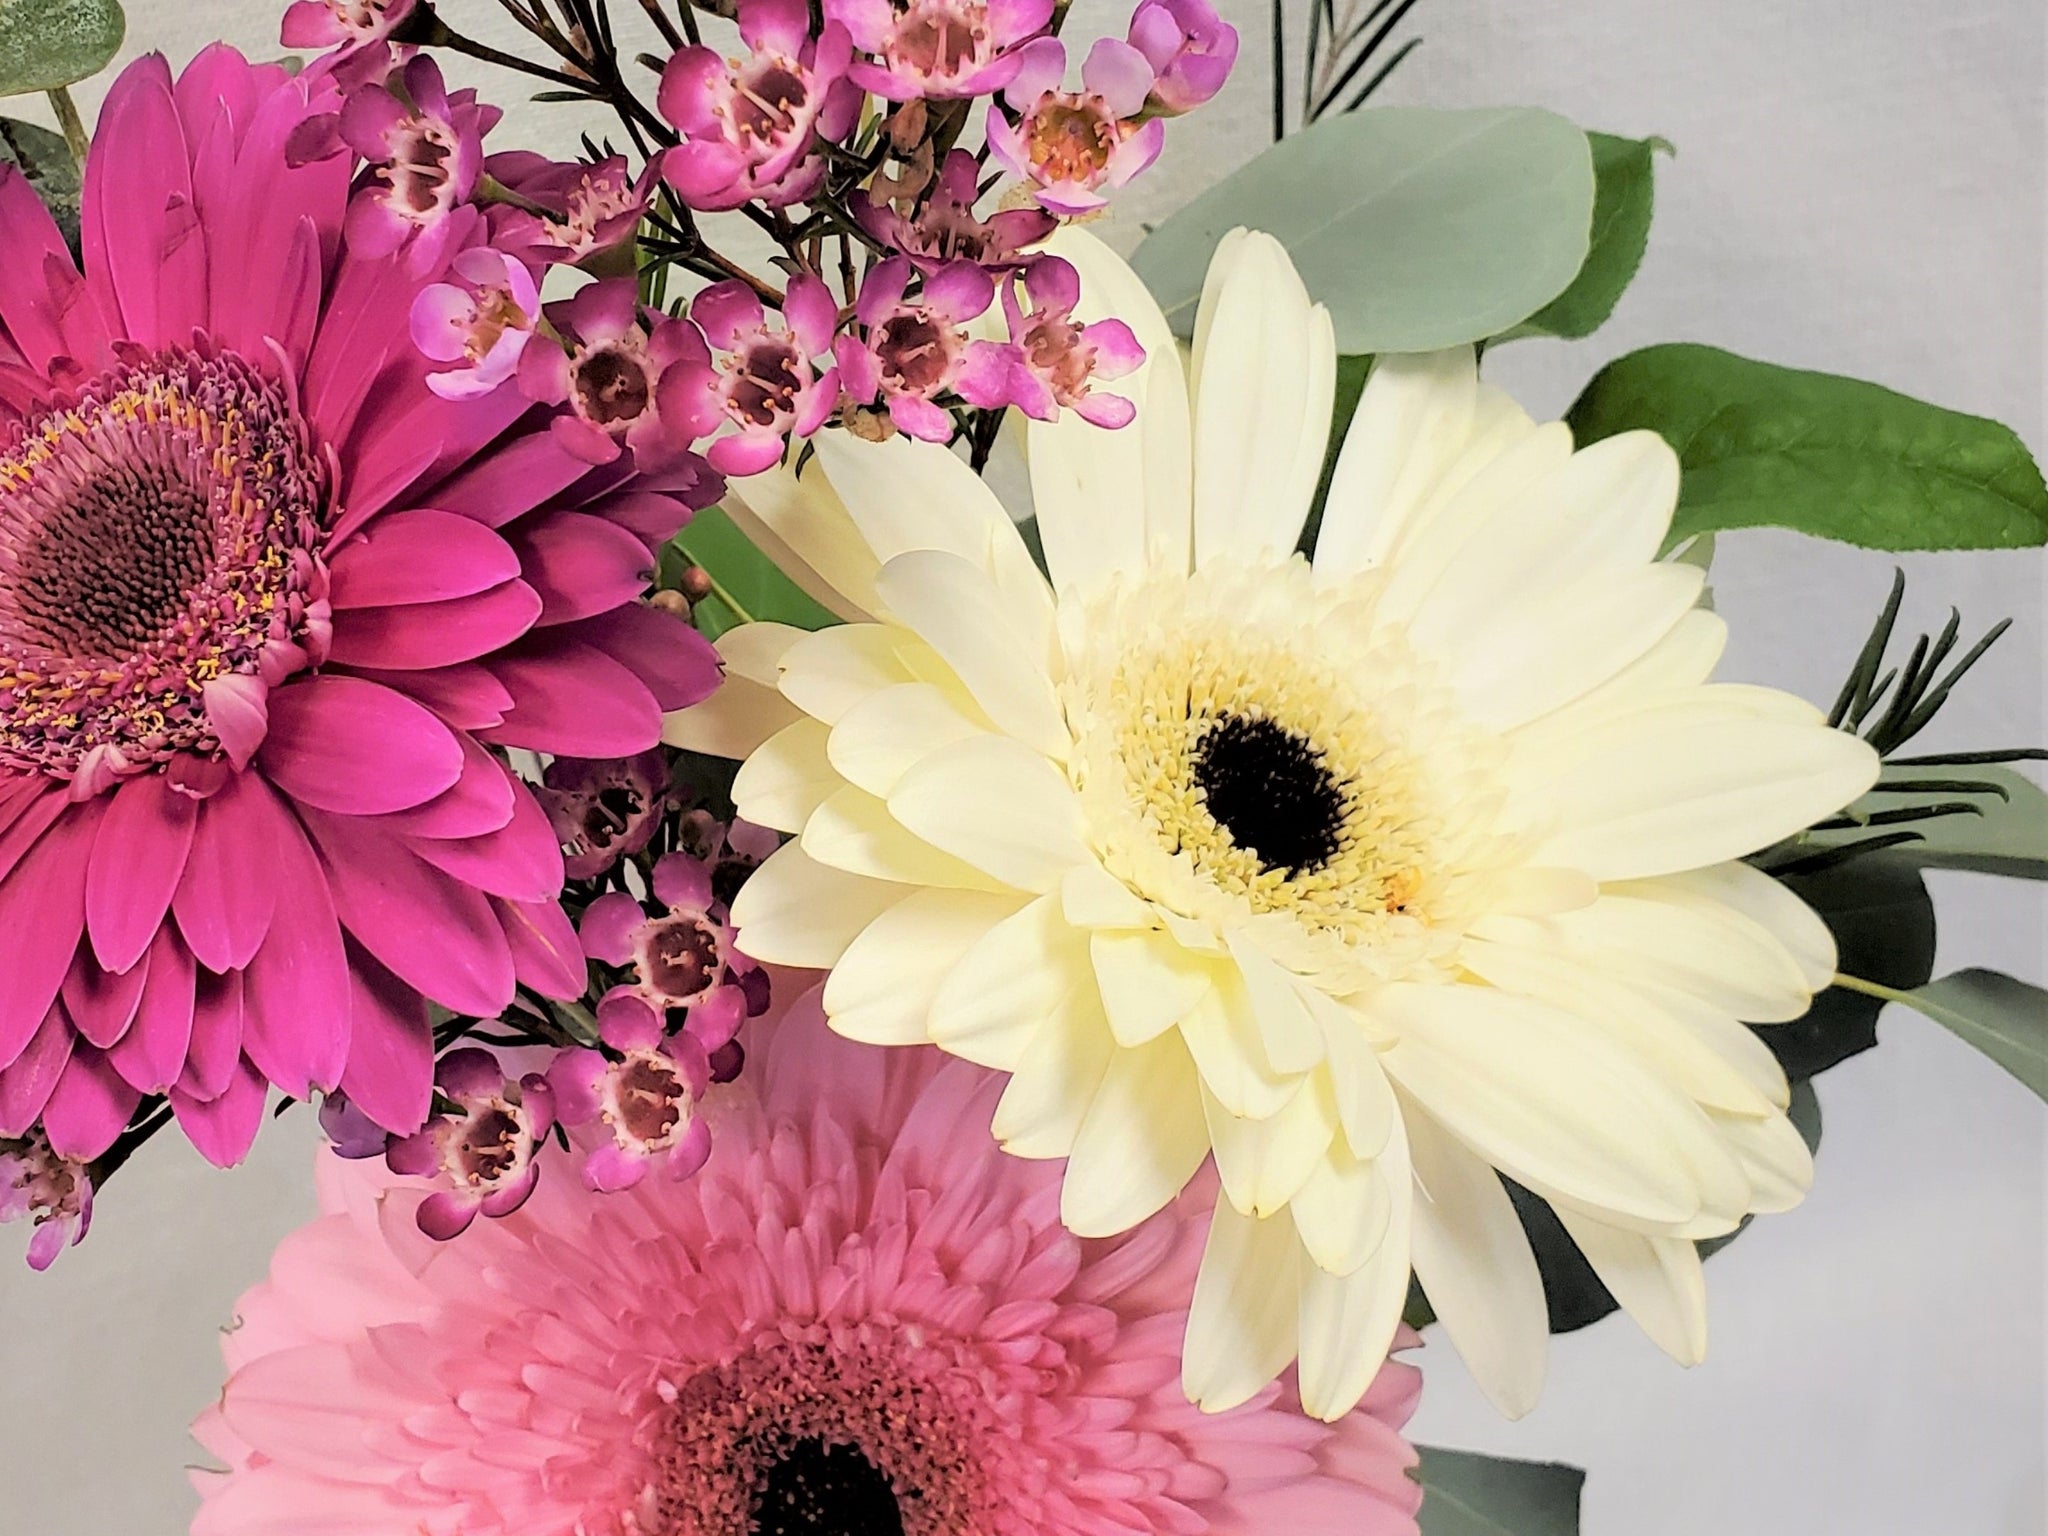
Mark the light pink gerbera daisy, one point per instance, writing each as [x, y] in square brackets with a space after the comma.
[267, 604]
[858, 1319]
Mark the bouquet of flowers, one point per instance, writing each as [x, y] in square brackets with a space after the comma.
[927, 882]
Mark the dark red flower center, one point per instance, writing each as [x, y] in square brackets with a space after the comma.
[680, 956]
[612, 388]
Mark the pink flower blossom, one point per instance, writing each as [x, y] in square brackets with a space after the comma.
[345, 24]
[271, 609]
[758, 384]
[482, 1152]
[947, 229]
[424, 148]
[938, 48]
[590, 209]
[859, 1312]
[1190, 48]
[751, 127]
[483, 319]
[913, 352]
[604, 811]
[1055, 360]
[641, 1099]
[611, 376]
[53, 1192]
[1070, 145]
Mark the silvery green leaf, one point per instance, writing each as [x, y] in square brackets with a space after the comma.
[46, 44]
[1466, 1494]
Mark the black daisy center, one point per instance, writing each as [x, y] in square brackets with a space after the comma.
[1271, 790]
[826, 1490]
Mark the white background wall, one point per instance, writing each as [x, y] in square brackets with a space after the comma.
[1859, 187]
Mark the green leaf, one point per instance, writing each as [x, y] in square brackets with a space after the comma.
[47, 44]
[749, 586]
[1418, 228]
[2002, 1016]
[2004, 831]
[1351, 372]
[1466, 1494]
[1625, 177]
[1833, 457]
[44, 160]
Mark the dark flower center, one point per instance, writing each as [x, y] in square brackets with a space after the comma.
[826, 1490]
[614, 810]
[767, 105]
[612, 388]
[942, 38]
[680, 957]
[764, 391]
[914, 352]
[1271, 790]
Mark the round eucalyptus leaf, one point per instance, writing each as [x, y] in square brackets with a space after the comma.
[45, 44]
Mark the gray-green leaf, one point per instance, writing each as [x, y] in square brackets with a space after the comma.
[45, 44]
[1465, 1494]
[2002, 1016]
[1828, 456]
[2004, 831]
[44, 159]
[1624, 170]
[1419, 228]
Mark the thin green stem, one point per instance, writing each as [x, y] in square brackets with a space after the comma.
[74, 128]
[1876, 989]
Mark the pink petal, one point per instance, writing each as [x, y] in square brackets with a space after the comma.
[138, 859]
[521, 861]
[225, 898]
[28, 237]
[419, 557]
[238, 709]
[610, 1168]
[724, 310]
[216, 1047]
[421, 635]
[651, 519]
[464, 695]
[224, 1128]
[344, 744]
[608, 926]
[295, 992]
[390, 1074]
[481, 801]
[151, 1056]
[139, 164]
[100, 1003]
[443, 1217]
[1119, 74]
[545, 954]
[581, 565]
[511, 480]
[26, 1086]
[681, 881]
[813, 314]
[573, 700]
[42, 913]
[89, 1108]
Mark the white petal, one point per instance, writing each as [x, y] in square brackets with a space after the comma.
[878, 740]
[1026, 972]
[1669, 930]
[1342, 1211]
[1347, 1322]
[1365, 1099]
[1140, 1142]
[1475, 1264]
[1054, 1081]
[1695, 778]
[855, 832]
[747, 708]
[1110, 501]
[1685, 658]
[905, 495]
[1094, 898]
[1263, 1163]
[1264, 372]
[957, 609]
[1242, 1321]
[795, 911]
[1772, 906]
[881, 990]
[1657, 1280]
[1223, 1035]
[1774, 1156]
[827, 673]
[803, 526]
[787, 778]
[1292, 1039]
[998, 805]
[1149, 983]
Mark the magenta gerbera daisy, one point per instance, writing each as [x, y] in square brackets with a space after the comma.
[858, 1316]
[268, 604]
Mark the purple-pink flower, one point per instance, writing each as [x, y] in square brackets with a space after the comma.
[54, 1193]
[751, 127]
[1071, 144]
[483, 320]
[425, 152]
[605, 810]
[910, 352]
[1055, 360]
[611, 376]
[938, 48]
[1190, 48]
[641, 1098]
[755, 384]
[482, 1150]
[589, 209]
[345, 24]
[947, 229]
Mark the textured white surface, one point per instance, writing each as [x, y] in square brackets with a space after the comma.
[1860, 187]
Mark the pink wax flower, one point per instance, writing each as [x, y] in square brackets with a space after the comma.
[938, 48]
[1071, 144]
[1055, 360]
[482, 1152]
[758, 384]
[947, 229]
[348, 25]
[590, 209]
[604, 811]
[424, 148]
[1190, 48]
[611, 376]
[272, 608]
[678, 953]
[483, 319]
[751, 127]
[911, 352]
[640, 1098]
[859, 1311]
[53, 1192]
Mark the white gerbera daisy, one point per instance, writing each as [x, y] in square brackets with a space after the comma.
[1370, 875]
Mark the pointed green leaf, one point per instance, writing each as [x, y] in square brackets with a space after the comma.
[2004, 1017]
[1465, 1494]
[748, 586]
[1833, 457]
[1624, 170]
[2005, 831]
[45, 44]
[1419, 228]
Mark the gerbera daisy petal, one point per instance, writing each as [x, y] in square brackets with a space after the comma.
[1657, 1280]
